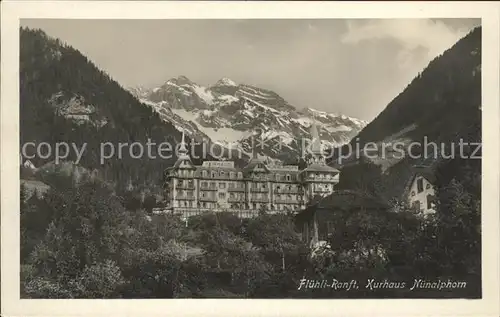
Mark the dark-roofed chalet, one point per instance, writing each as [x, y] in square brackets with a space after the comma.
[419, 190]
[316, 222]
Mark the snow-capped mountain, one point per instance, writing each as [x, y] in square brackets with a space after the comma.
[232, 114]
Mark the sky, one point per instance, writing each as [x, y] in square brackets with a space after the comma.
[351, 67]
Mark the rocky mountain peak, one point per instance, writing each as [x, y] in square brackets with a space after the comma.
[227, 113]
[226, 82]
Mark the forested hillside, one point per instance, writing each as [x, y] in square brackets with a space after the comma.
[442, 104]
[442, 101]
[64, 97]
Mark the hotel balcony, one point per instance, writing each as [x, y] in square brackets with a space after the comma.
[236, 189]
[322, 190]
[185, 198]
[209, 188]
[211, 199]
[189, 212]
[259, 200]
[184, 186]
[259, 190]
[319, 179]
[288, 201]
[236, 200]
[288, 191]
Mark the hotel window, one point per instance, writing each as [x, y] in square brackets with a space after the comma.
[205, 173]
[213, 174]
[231, 175]
[222, 195]
[420, 185]
[204, 184]
[221, 173]
[203, 194]
[240, 175]
[231, 195]
[212, 185]
[231, 185]
[222, 185]
[287, 177]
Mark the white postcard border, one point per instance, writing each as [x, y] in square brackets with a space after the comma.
[13, 11]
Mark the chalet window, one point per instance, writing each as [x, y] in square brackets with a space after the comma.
[427, 186]
[417, 205]
[413, 193]
[420, 185]
[329, 227]
[429, 201]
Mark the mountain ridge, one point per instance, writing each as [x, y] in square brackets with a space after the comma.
[229, 114]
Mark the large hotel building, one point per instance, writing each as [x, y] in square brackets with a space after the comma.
[220, 186]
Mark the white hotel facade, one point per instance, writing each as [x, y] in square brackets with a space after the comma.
[220, 186]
